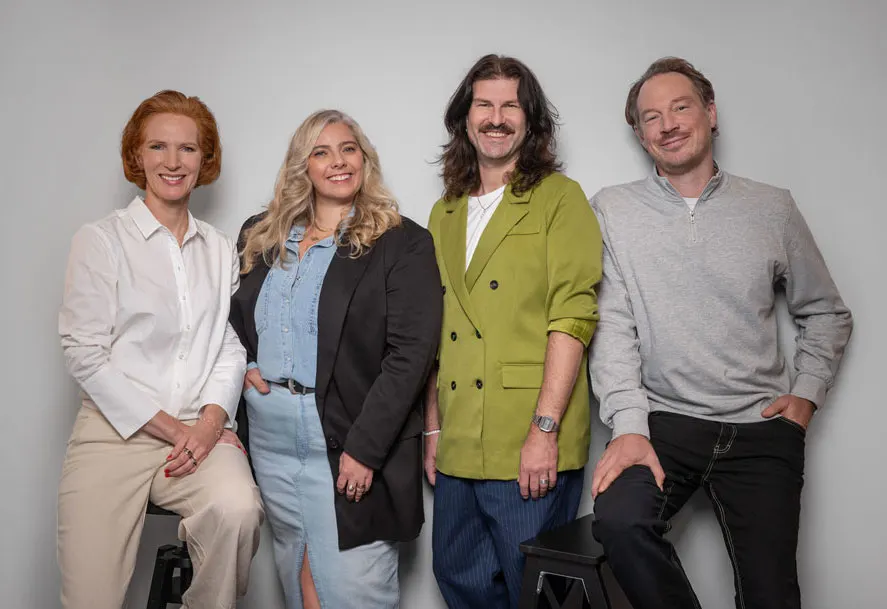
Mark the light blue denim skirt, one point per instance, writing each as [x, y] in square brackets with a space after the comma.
[289, 455]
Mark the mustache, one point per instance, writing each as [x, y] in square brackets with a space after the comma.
[504, 128]
[676, 134]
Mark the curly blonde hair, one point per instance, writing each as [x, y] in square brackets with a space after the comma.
[375, 209]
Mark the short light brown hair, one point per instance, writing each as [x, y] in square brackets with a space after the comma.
[172, 102]
[666, 65]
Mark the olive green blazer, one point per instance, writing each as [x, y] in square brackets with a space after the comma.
[533, 272]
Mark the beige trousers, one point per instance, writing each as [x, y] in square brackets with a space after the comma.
[105, 485]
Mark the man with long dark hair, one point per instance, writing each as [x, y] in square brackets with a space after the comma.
[507, 416]
[686, 361]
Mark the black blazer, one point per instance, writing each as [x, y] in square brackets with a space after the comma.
[379, 320]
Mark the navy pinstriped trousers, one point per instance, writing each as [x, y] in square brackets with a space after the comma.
[477, 530]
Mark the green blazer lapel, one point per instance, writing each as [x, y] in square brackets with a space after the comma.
[453, 230]
[507, 214]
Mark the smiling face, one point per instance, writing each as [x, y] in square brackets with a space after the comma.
[675, 126]
[335, 165]
[170, 157]
[496, 123]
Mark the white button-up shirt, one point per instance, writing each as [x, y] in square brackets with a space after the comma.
[144, 322]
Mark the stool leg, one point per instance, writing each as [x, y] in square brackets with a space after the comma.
[163, 567]
[529, 590]
[575, 597]
[186, 571]
[594, 587]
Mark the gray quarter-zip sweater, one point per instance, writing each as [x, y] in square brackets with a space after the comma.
[687, 303]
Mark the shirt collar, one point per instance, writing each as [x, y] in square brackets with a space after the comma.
[148, 224]
[297, 233]
[714, 183]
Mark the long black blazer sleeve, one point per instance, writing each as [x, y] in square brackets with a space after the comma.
[413, 309]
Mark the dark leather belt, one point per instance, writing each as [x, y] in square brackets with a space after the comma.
[295, 387]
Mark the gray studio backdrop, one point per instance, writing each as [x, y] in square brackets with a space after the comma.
[800, 87]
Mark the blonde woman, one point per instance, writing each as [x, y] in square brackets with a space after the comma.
[339, 309]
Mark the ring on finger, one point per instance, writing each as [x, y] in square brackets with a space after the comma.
[350, 488]
[193, 460]
[188, 452]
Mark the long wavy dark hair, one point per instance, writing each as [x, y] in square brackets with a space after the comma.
[538, 153]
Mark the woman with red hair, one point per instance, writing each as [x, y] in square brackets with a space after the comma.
[145, 334]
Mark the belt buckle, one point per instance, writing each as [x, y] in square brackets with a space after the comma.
[291, 385]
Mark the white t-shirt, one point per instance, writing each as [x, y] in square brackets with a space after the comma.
[480, 210]
[691, 203]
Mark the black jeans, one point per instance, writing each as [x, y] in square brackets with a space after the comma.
[752, 473]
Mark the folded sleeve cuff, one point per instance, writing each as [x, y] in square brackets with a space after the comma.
[126, 409]
[580, 329]
[226, 397]
[810, 388]
[631, 420]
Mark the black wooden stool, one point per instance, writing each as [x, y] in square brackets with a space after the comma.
[574, 557]
[166, 586]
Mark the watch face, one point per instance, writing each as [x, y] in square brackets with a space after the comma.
[544, 423]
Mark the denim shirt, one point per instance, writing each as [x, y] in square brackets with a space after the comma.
[286, 312]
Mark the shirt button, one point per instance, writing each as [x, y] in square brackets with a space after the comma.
[181, 356]
[331, 442]
[452, 336]
[477, 333]
[479, 384]
[184, 298]
[453, 385]
[494, 284]
[286, 329]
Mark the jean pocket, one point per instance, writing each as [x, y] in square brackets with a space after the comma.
[794, 425]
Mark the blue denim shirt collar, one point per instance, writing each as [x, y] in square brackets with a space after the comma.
[297, 233]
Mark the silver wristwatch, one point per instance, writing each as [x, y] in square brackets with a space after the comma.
[546, 424]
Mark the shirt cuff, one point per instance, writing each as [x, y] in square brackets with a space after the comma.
[810, 388]
[231, 412]
[580, 329]
[251, 365]
[631, 420]
[125, 408]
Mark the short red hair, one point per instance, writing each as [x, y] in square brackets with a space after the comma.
[172, 102]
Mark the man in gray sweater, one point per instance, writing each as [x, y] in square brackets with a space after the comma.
[686, 360]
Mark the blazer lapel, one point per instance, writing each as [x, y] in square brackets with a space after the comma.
[507, 214]
[338, 287]
[453, 236]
